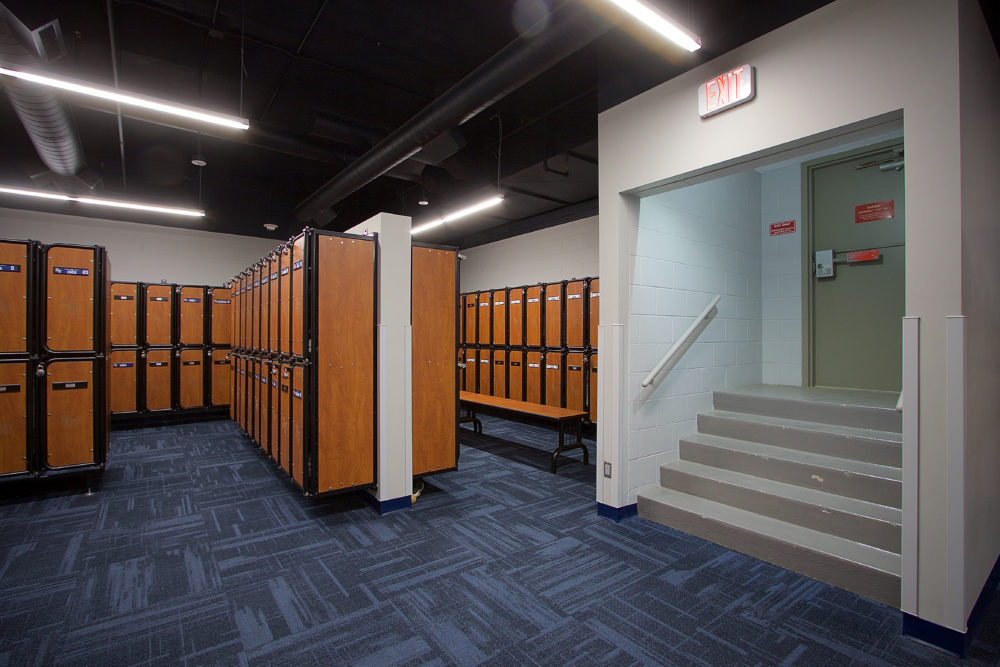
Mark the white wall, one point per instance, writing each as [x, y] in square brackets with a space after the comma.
[548, 255]
[850, 66]
[690, 245]
[144, 253]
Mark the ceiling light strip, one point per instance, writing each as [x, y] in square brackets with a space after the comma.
[40, 194]
[661, 23]
[461, 213]
[127, 99]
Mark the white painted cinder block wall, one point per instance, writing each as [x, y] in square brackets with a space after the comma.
[690, 245]
[548, 255]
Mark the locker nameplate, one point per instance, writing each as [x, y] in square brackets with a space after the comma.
[574, 296]
[263, 281]
[10, 268]
[224, 301]
[224, 362]
[534, 365]
[284, 271]
[484, 361]
[191, 363]
[296, 393]
[498, 303]
[483, 305]
[63, 386]
[10, 389]
[159, 298]
[515, 363]
[158, 364]
[471, 359]
[284, 388]
[70, 271]
[553, 298]
[593, 369]
[532, 300]
[553, 367]
[594, 295]
[574, 368]
[263, 379]
[123, 297]
[123, 364]
[470, 305]
[192, 300]
[513, 301]
[499, 362]
[256, 283]
[274, 383]
[274, 276]
[297, 265]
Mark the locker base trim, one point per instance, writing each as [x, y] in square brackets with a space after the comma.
[617, 514]
[383, 507]
[127, 420]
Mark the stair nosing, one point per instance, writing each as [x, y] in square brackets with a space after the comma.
[852, 432]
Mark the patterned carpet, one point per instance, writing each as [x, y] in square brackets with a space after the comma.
[195, 551]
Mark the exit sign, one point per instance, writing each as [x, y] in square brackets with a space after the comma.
[726, 90]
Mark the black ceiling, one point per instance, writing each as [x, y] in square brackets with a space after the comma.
[323, 81]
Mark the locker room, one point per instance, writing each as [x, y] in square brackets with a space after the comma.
[350, 335]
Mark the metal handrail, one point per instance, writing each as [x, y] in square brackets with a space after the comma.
[674, 353]
[899, 403]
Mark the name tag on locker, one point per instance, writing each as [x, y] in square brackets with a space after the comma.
[483, 305]
[514, 301]
[284, 271]
[159, 298]
[10, 268]
[69, 271]
[574, 368]
[553, 298]
[123, 297]
[296, 393]
[10, 389]
[574, 296]
[274, 276]
[191, 300]
[297, 265]
[157, 364]
[532, 300]
[498, 303]
[123, 364]
[222, 301]
[59, 386]
[192, 363]
[552, 367]
[534, 365]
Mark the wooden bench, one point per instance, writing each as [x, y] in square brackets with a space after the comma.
[563, 417]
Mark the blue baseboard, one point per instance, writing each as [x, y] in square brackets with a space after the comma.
[617, 513]
[391, 505]
[950, 640]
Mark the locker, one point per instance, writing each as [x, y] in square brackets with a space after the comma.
[298, 295]
[533, 316]
[272, 308]
[594, 313]
[237, 312]
[192, 316]
[467, 370]
[434, 318]
[553, 378]
[14, 406]
[483, 318]
[16, 266]
[285, 415]
[244, 311]
[575, 380]
[515, 316]
[499, 317]
[574, 307]
[533, 377]
[239, 407]
[274, 417]
[220, 307]
[124, 313]
[285, 301]
[159, 303]
[298, 425]
[222, 366]
[515, 375]
[159, 372]
[192, 377]
[499, 373]
[469, 309]
[265, 305]
[554, 315]
[255, 308]
[592, 386]
[69, 412]
[123, 381]
[483, 377]
[260, 432]
[71, 298]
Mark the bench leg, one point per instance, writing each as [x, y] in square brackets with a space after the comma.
[563, 448]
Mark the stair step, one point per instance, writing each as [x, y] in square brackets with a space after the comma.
[858, 520]
[855, 479]
[861, 444]
[863, 569]
[857, 408]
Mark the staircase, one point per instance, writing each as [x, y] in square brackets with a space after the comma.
[808, 479]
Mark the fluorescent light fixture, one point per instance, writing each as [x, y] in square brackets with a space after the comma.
[661, 23]
[129, 99]
[40, 194]
[461, 213]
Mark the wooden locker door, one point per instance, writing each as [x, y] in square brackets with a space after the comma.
[192, 316]
[272, 318]
[483, 318]
[553, 378]
[594, 314]
[244, 312]
[158, 379]
[122, 394]
[285, 301]
[222, 367]
[240, 393]
[69, 294]
[515, 375]
[499, 317]
[13, 413]
[574, 371]
[499, 373]
[533, 377]
[298, 463]
[124, 313]
[192, 378]
[257, 301]
[468, 373]
[592, 387]
[574, 314]
[260, 432]
[554, 315]
[220, 303]
[69, 409]
[159, 314]
[345, 315]
[469, 309]
[274, 417]
[533, 316]
[434, 319]
[285, 417]
[483, 380]
[14, 268]
[515, 316]
[298, 295]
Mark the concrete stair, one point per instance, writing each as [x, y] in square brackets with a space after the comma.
[808, 479]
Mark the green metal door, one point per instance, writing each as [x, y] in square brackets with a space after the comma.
[855, 207]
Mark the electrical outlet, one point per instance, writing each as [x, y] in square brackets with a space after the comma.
[607, 469]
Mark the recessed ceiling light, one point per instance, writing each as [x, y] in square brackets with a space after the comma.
[198, 161]
[422, 202]
[270, 226]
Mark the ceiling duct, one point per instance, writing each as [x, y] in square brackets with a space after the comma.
[571, 26]
[44, 117]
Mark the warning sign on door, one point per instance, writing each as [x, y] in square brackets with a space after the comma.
[880, 210]
[784, 227]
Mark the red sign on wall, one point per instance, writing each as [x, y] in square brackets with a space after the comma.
[862, 256]
[880, 210]
[784, 227]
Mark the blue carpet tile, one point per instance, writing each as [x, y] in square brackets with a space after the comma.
[194, 550]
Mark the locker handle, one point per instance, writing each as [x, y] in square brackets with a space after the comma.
[40, 371]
